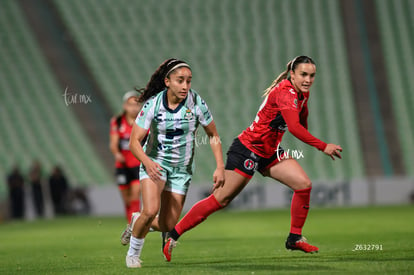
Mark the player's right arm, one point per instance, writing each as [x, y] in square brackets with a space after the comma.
[138, 133]
[114, 141]
[152, 168]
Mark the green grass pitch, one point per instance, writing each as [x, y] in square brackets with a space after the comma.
[229, 242]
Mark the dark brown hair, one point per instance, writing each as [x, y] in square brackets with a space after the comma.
[156, 84]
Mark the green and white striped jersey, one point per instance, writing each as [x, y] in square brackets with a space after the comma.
[172, 132]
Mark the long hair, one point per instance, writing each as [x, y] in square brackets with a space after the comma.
[291, 66]
[156, 83]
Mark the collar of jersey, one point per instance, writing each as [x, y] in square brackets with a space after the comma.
[293, 87]
[165, 103]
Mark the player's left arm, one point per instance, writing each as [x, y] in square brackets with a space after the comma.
[205, 118]
[215, 143]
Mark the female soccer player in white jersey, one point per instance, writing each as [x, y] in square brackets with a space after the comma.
[172, 111]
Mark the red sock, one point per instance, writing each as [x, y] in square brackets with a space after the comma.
[299, 210]
[197, 214]
[135, 206]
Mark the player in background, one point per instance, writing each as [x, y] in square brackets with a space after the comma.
[127, 166]
[172, 111]
[258, 148]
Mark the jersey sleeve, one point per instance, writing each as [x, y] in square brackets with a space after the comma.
[295, 128]
[146, 115]
[203, 113]
[286, 99]
[113, 127]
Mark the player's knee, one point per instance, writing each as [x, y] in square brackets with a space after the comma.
[305, 183]
[301, 183]
[148, 215]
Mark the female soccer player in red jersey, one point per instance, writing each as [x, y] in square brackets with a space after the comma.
[127, 166]
[258, 148]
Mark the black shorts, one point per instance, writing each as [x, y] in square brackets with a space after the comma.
[243, 161]
[125, 175]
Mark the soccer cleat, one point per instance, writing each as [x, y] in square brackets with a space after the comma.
[133, 261]
[126, 235]
[302, 245]
[168, 247]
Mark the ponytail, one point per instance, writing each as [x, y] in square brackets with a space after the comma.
[156, 83]
[291, 66]
[278, 79]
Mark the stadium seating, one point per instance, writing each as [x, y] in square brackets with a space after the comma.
[396, 28]
[236, 49]
[35, 122]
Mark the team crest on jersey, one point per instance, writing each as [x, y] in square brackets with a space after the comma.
[188, 114]
[141, 113]
[249, 164]
[295, 102]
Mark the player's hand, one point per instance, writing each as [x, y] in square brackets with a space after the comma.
[119, 157]
[333, 151]
[153, 170]
[218, 178]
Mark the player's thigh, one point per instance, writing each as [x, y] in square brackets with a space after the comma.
[233, 185]
[290, 173]
[151, 196]
[171, 207]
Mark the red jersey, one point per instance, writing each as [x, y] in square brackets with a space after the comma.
[119, 126]
[282, 109]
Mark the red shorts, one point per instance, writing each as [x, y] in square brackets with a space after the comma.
[127, 176]
[243, 161]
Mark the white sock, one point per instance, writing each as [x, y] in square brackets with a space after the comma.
[135, 246]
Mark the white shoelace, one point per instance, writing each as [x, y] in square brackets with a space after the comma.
[302, 239]
[172, 245]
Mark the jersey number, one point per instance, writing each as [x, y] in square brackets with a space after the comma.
[256, 119]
